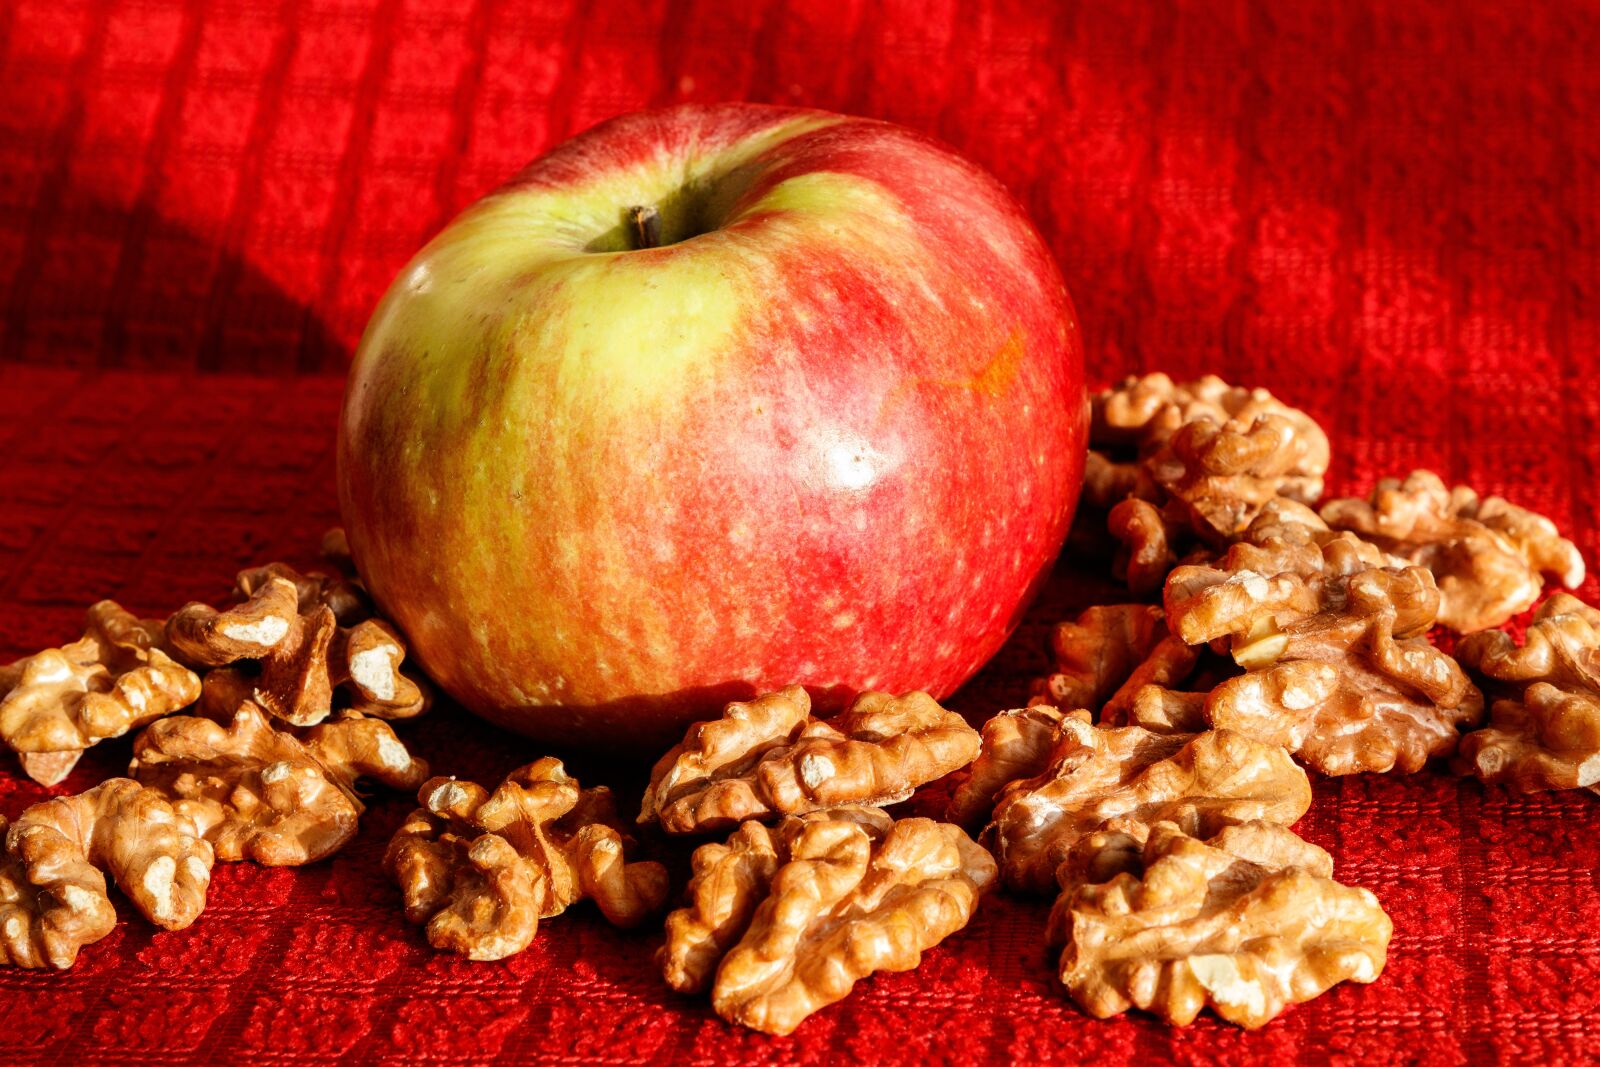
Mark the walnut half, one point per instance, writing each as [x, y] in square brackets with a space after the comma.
[59, 702]
[1489, 557]
[1248, 922]
[52, 895]
[768, 757]
[1544, 733]
[783, 921]
[1099, 774]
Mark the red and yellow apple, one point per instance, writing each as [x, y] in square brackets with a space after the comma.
[708, 401]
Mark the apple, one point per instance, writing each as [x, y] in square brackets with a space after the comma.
[708, 401]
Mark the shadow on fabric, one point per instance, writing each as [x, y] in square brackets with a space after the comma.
[102, 286]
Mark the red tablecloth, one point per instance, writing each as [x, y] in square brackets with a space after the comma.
[1388, 213]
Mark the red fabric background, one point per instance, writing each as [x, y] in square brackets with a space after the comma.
[1388, 213]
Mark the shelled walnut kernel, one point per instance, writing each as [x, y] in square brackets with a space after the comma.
[769, 757]
[783, 921]
[1247, 922]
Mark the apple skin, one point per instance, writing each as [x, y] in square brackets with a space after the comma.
[836, 438]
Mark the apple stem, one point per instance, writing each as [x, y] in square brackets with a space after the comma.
[646, 226]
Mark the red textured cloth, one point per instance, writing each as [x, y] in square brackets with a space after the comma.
[1387, 213]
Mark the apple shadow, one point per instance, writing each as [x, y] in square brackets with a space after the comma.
[103, 286]
[641, 728]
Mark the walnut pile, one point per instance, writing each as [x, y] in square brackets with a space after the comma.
[1330, 631]
[57, 703]
[259, 793]
[232, 784]
[1100, 777]
[1304, 632]
[1184, 468]
[298, 644]
[52, 893]
[783, 921]
[481, 869]
[1489, 557]
[291, 644]
[769, 757]
[1248, 922]
[1544, 731]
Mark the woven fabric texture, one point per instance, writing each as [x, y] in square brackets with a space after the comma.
[1386, 213]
